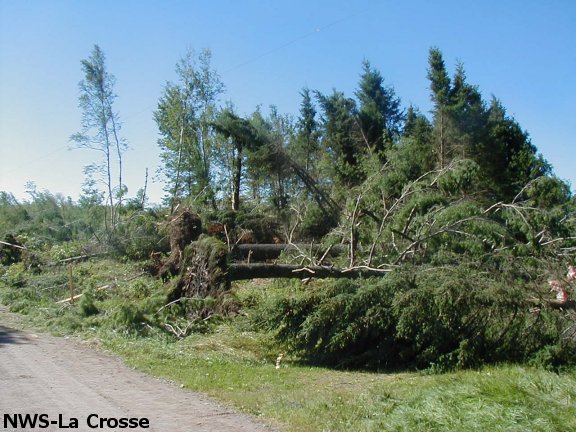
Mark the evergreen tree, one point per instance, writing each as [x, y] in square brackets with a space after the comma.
[415, 151]
[380, 115]
[259, 159]
[275, 133]
[465, 128]
[440, 88]
[341, 135]
[467, 116]
[241, 136]
[306, 144]
[509, 158]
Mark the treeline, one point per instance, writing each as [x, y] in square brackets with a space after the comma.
[212, 156]
[467, 219]
[302, 169]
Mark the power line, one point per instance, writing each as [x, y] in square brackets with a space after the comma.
[266, 54]
[13, 168]
[291, 42]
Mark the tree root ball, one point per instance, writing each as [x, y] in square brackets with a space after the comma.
[203, 270]
[185, 228]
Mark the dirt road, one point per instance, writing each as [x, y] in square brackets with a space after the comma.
[41, 374]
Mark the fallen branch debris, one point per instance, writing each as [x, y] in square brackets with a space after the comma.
[262, 271]
[72, 298]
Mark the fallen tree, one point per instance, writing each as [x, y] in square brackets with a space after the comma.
[261, 252]
[205, 270]
[184, 228]
[264, 271]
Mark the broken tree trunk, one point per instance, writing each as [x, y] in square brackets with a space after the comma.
[19, 246]
[78, 258]
[263, 271]
[206, 274]
[77, 296]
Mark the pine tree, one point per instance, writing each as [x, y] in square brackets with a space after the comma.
[241, 136]
[267, 169]
[440, 88]
[509, 158]
[306, 144]
[467, 116]
[415, 150]
[380, 114]
[341, 136]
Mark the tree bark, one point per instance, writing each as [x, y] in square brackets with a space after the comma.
[273, 251]
[237, 180]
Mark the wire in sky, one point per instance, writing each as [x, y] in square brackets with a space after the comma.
[265, 54]
[290, 42]
[28, 162]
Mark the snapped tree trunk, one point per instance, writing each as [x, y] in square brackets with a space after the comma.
[236, 181]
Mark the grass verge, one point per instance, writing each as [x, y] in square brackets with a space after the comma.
[236, 365]
[502, 398]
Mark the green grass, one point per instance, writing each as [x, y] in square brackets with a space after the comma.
[226, 366]
[236, 365]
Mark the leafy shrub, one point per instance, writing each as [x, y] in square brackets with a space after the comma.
[127, 317]
[15, 275]
[555, 357]
[65, 250]
[138, 236]
[21, 299]
[140, 289]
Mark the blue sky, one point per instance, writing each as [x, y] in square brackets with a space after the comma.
[523, 52]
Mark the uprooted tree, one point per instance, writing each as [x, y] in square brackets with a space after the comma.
[201, 263]
[184, 228]
[453, 223]
[203, 271]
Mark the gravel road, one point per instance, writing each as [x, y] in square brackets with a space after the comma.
[41, 374]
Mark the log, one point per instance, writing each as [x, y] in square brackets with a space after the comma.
[13, 245]
[78, 258]
[70, 299]
[264, 271]
[260, 252]
[77, 296]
